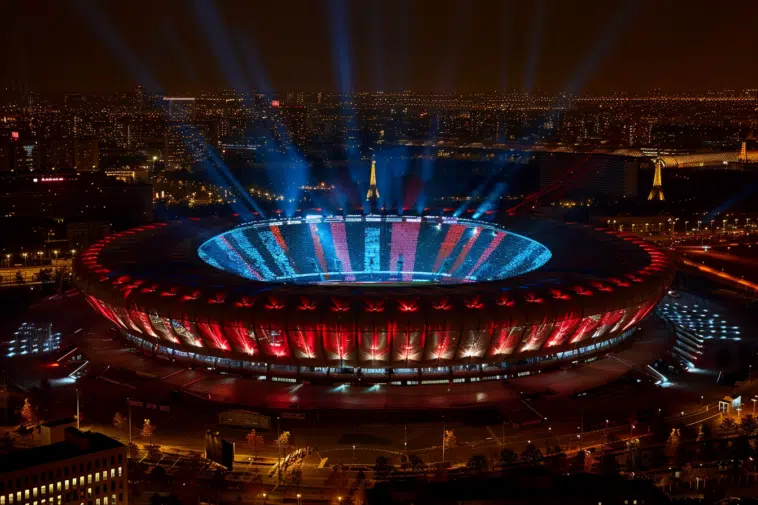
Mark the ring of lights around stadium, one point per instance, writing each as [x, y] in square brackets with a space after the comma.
[420, 300]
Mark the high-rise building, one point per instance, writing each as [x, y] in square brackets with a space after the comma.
[86, 154]
[86, 467]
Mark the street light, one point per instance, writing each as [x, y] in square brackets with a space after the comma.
[353, 454]
[264, 498]
[754, 400]
[298, 498]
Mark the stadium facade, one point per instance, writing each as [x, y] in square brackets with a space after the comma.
[382, 299]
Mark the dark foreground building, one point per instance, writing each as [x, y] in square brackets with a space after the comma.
[86, 468]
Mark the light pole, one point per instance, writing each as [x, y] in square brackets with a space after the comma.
[264, 498]
[298, 498]
[353, 454]
[24, 255]
[754, 400]
[405, 441]
[129, 414]
[278, 450]
[443, 440]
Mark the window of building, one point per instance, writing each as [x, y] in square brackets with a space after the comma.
[113, 473]
[89, 478]
[60, 499]
[65, 485]
[97, 476]
[81, 481]
[105, 474]
[58, 486]
[97, 502]
[2, 500]
[97, 463]
[119, 471]
[89, 492]
[113, 499]
[26, 494]
[105, 500]
[10, 499]
[50, 488]
[119, 459]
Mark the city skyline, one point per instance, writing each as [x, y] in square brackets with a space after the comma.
[344, 46]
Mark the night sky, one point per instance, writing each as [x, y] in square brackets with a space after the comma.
[435, 45]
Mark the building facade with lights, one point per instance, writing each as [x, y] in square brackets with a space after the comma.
[86, 467]
[383, 299]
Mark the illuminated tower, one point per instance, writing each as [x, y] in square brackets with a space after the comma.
[373, 191]
[656, 192]
[743, 152]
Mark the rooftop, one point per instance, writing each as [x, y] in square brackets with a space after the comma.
[77, 443]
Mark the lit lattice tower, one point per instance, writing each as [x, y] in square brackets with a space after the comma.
[656, 192]
[743, 152]
[373, 191]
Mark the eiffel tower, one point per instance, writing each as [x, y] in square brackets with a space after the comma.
[656, 192]
[373, 191]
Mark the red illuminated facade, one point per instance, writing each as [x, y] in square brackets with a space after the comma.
[150, 284]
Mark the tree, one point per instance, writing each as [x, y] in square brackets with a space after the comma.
[704, 432]
[148, 429]
[748, 426]
[297, 476]
[44, 275]
[254, 440]
[477, 462]
[507, 456]
[27, 412]
[383, 467]
[449, 440]
[531, 454]
[283, 439]
[729, 426]
[416, 462]
[118, 421]
[608, 464]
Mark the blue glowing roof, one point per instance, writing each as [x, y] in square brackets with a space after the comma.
[373, 250]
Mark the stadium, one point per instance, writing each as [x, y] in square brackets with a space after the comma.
[400, 300]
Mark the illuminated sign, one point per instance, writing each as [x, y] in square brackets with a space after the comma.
[274, 103]
[14, 135]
